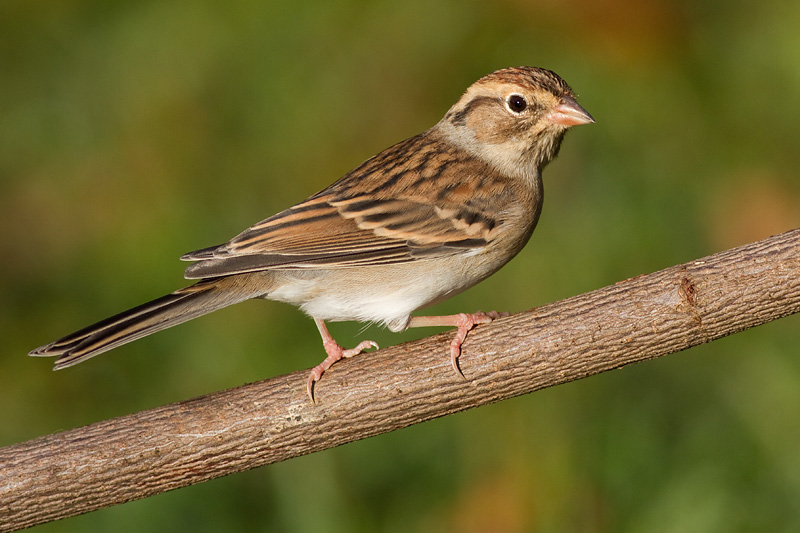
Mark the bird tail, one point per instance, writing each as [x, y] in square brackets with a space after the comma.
[161, 313]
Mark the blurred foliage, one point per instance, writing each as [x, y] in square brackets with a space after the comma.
[131, 132]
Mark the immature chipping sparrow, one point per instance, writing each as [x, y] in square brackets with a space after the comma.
[419, 222]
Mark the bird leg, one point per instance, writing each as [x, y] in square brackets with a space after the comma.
[335, 352]
[463, 321]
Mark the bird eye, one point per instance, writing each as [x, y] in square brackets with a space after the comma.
[517, 103]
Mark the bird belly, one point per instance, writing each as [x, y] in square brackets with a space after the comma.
[385, 294]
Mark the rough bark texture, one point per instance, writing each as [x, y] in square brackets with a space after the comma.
[150, 452]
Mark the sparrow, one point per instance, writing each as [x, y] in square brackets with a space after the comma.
[412, 226]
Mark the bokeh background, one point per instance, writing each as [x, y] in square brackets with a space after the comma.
[132, 132]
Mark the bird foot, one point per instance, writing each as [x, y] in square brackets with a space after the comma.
[464, 322]
[335, 353]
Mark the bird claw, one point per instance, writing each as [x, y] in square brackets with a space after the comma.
[465, 322]
[335, 353]
[363, 345]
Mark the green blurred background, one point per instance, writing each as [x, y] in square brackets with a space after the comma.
[133, 132]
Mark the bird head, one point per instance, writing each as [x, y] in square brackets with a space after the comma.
[514, 119]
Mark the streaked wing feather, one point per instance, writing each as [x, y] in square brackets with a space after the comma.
[406, 215]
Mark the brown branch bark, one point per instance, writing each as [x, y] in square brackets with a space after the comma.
[153, 451]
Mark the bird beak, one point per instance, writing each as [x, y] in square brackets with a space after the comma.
[569, 113]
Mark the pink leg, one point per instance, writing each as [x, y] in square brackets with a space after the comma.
[463, 321]
[335, 352]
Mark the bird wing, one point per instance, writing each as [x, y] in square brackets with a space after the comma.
[405, 215]
[336, 233]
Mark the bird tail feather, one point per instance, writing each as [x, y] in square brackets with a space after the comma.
[161, 313]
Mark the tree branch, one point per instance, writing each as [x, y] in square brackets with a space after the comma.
[176, 445]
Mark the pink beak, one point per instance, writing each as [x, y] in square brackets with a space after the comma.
[569, 113]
